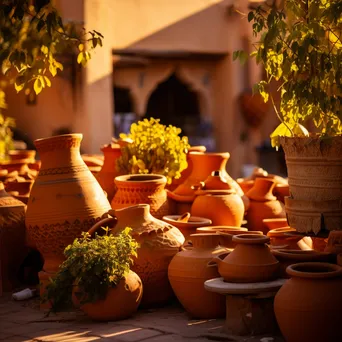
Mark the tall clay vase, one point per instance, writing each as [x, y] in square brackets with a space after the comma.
[65, 199]
[108, 171]
[187, 273]
[308, 306]
[142, 189]
[263, 205]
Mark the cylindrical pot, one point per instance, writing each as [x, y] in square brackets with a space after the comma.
[121, 301]
[65, 199]
[108, 171]
[263, 205]
[250, 262]
[187, 273]
[142, 189]
[308, 306]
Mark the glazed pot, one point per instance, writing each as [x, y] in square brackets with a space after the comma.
[250, 262]
[65, 199]
[308, 306]
[187, 273]
[121, 301]
[108, 172]
[142, 189]
[287, 257]
[263, 204]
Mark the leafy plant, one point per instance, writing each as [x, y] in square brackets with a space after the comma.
[153, 148]
[92, 265]
[301, 48]
[6, 124]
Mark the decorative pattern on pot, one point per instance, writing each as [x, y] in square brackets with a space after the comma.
[308, 306]
[142, 189]
[263, 204]
[65, 199]
[187, 273]
[250, 262]
[108, 171]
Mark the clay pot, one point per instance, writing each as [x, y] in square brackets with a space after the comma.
[251, 261]
[288, 257]
[22, 154]
[121, 301]
[188, 226]
[263, 204]
[23, 187]
[21, 166]
[222, 207]
[281, 191]
[108, 171]
[142, 189]
[65, 199]
[187, 273]
[12, 239]
[279, 237]
[159, 242]
[308, 306]
[334, 244]
[274, 223]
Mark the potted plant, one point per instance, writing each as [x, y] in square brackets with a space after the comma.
[96, 276]
[300, 48]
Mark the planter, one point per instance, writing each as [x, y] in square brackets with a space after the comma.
[187, 273]
[142, 189]
[121, 301]
[308, 306]
[65, 199]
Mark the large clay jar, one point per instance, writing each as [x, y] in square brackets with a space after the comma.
[187, 273]
[250, 262]
[308, 306]
[12, 239]
[263, 204]
[142, 189]
[108, 171]
[121, 301]
[159, 242]
[65, 199]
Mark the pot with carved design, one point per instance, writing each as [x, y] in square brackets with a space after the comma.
[65, 199]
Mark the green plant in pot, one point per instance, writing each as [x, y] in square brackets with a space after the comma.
[96, 276]
[300, 48]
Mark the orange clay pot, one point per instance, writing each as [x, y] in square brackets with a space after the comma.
[22, 154]
[108, 171]
[142, 189]
[21, 166]
[251, 261]
[121, 301]
[263, 204]
[187, 273]
[65, 199]
[308, 306]
[279, 237]
[274, 223]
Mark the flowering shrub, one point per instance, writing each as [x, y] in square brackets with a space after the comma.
[153, 148]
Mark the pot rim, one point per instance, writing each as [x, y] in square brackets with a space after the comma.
[149, 178]
[291, 254]
[226, 228]
[328, 270]
[58, 137]
[196, 220]
[251, 239]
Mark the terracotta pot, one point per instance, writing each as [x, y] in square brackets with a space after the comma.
[279, 237]
[222, 207]
[281, 191]
[187, 273]
[334, 244]
[23, 188]
[142, 189]
[65, 199]
[251, 261]
[12, 239]
[288, 257]
[22, 154]
[263, 204]
[159, 242]
[308, 306]
[274, 223]
[189, 226]
[21, 166]
[108, 171]
[121, 301]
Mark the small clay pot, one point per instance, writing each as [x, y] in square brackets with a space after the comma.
[279, 237]
[273, 223]
[22, 154]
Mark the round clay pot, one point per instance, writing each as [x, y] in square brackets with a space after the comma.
[21, 166]
[22, 154]
[273, 223]
[189, 226]
[65, 199]
[263, 204]
[121, 301]
[222, 207]
[108, 171]
[187, 273]
[142, 189]
[308, 306]
[251, 261]
[279, 237]
[287, 257]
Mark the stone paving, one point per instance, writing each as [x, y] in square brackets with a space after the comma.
[24, 322]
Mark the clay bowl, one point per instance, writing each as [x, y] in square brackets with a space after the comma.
[273, 223]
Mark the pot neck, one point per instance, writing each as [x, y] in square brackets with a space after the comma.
[262, 190]
[205, 163]
[134, 214]
[205, 241]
